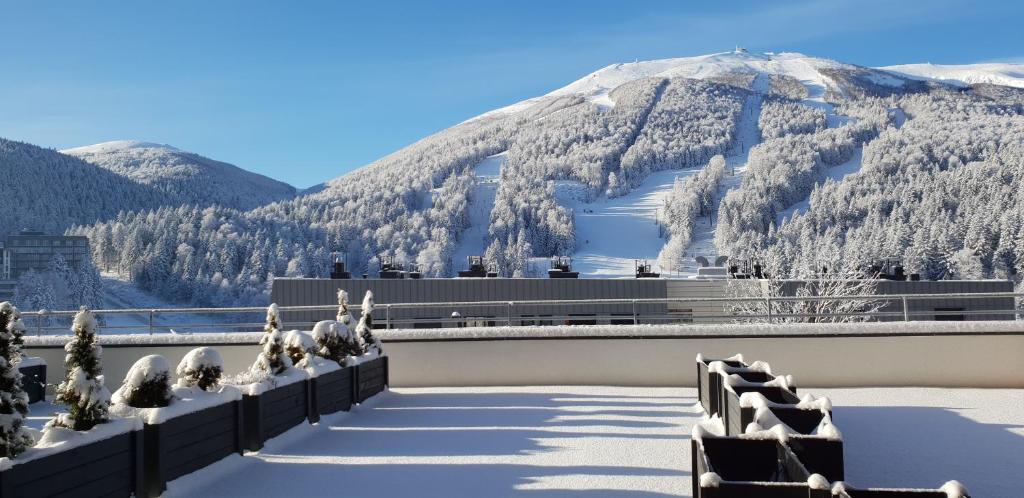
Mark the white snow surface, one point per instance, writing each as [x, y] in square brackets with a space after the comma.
[288, 377]
[559, 441]
[805, 69]
[996, 73]
[184, 400]
[31, 361]
[116, 145]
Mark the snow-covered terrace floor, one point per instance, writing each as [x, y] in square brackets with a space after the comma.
[605, 442]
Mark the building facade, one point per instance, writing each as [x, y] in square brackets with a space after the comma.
[29, 250]
[449, 302]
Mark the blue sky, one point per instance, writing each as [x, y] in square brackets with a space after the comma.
[305, 91]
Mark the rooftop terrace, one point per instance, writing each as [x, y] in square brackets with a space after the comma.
[603, 441]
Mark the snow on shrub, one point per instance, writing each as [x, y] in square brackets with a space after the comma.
[272, 360]
[14, 436]
[147, 385]
[299, 347]
[82, 391]
[344, 316]
[365, 327]
[202, 368]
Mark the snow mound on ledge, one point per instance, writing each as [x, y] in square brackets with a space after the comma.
[966, 74]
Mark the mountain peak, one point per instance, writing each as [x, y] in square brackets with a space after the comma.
[117, 145]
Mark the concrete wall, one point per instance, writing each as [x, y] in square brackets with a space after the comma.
[926, 354]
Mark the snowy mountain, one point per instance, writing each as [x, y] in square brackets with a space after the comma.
[795, 160]
[193, 178]
[46, 190]
[1003, 74]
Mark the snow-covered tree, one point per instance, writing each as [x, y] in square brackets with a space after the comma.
[272, 360]
[202, 368]
[831, 299]
[147, 384]
[82, 390]
[14, 438]
[299, 348]
[365, 327]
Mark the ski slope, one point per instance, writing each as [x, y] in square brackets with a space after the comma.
[473, 241]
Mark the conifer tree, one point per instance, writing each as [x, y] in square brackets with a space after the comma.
[14, 438]
[273, 359]
[82, 391]
[365, 327]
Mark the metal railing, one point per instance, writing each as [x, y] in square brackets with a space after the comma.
[770, 309]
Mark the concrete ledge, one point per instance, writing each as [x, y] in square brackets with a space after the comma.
[969, 354]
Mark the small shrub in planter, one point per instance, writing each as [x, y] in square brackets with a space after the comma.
[275, 394]
[273, 360]
[372, 365]
[202, 368]
[14, 437]
[193, 427]
[371, 345]
[299, 347]
[147, 385]
[82, 391]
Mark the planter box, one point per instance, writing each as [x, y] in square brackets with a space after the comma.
[890, 493]
[271, 413]
[331, 392]
[371, 378]
[736, 418]
[749, 468]
[705, 393]
[34, 380]
[187, 443]
[819, 455]
[108, 467]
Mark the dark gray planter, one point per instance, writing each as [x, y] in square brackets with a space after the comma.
[33, 380]
[110, 467]
[331, 392]
[185, 444]
[273, 412]
[750, 468]
[707, 395]
[371, 378]
[733, 414]
[890, 493]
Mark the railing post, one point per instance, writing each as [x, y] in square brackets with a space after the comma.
[39, 322]
[906, 313]
[387, 316]
[151, 312]
[768, 304]
[508, 315]
[634, 312]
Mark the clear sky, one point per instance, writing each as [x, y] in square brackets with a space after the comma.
[305, 91]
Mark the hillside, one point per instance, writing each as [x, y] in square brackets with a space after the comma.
[193, 178]
[621, 165]
[46, 190]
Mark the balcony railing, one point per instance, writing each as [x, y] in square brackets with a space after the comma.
[897, 307]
